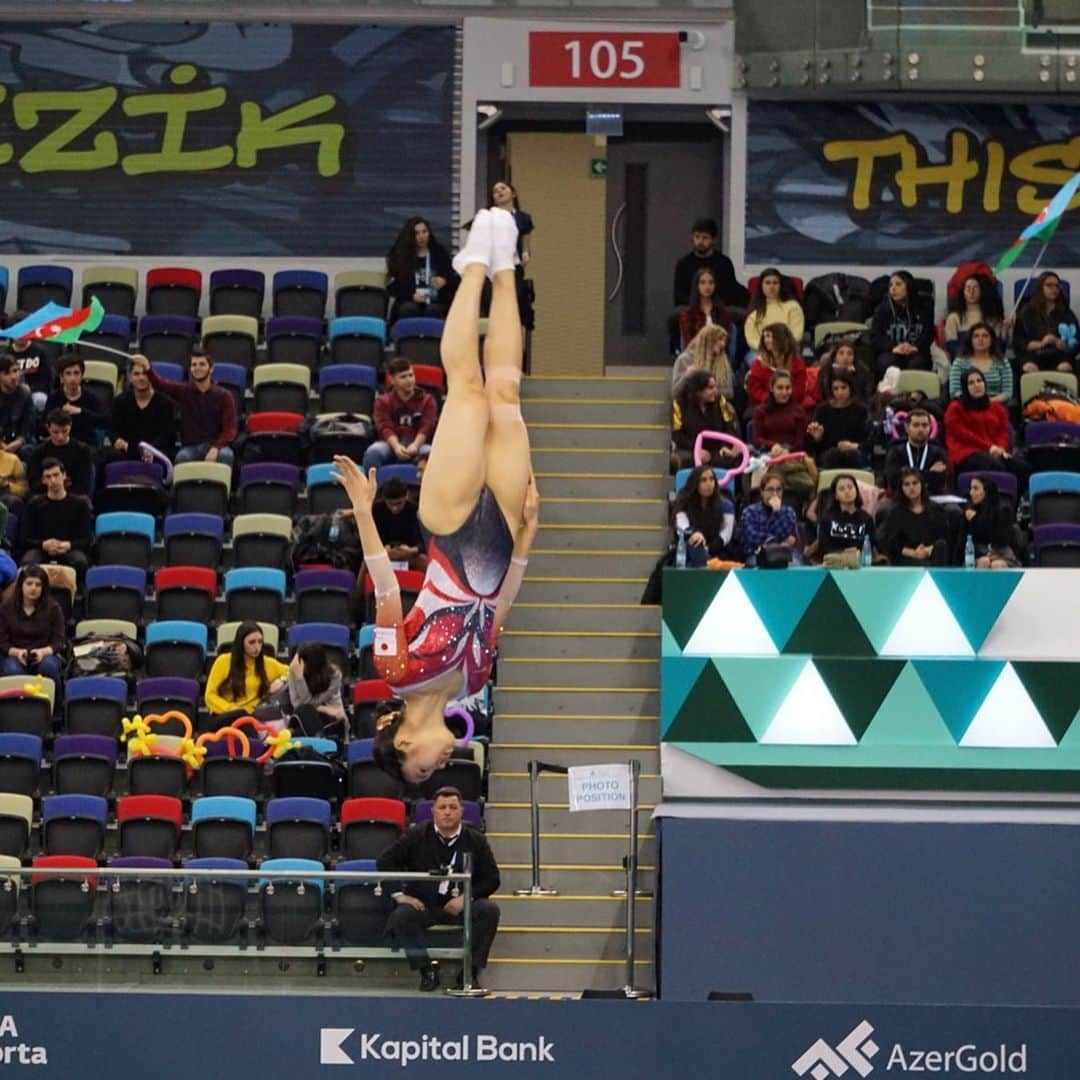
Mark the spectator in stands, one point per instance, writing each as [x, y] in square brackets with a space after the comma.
[977, 302]
[75, 456]
[777, 353]
[915, 533]
[708, 519]
[442, 842]
[989, 524]
[245, 677]
[207, 411]
[707, 351]
[699, 407]
[32, 628]
[703, 255]
[16, 407]
[844, 525]
[504, 196]
[773, 301]
[917, 452]
[141, 415]
[405, 418]
[780, 422]
[314, 687]
[33, 364]
[398, 522]
[977, 435]
[1046, 335]
[703, 308]
[88, 419]
[842, 357]
[979, 350]
[838, 433]
[902, 329]
[419, 275]
[769, 528]
[56, 526]
[13, 485]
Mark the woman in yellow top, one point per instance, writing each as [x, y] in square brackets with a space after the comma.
[242, 679]
[773, 301]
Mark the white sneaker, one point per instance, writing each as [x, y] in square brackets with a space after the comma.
[477, 247]
[504, 240]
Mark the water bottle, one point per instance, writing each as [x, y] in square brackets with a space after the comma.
[866, 558]
[335, 526]
[969, 553]
[680, 551]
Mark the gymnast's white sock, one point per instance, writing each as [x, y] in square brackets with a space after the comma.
[504, 239]
[477, 247]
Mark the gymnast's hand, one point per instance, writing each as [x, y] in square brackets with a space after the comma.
[360, 488]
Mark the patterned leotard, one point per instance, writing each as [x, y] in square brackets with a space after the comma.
[452, 624]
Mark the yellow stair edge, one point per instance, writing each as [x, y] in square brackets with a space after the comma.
[614, 500]
[582, 633]
[527, 401]
[597, 378]
[545, 425]
[547, 806]
[600, 476]
[609, 451]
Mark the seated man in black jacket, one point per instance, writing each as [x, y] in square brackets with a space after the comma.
[444, 842]
[56, 527]
[88, 418]
[75, 456]
[918, 452]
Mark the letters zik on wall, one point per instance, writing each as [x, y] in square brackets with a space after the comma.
[59, 122]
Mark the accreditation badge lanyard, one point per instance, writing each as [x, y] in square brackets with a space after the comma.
[922, 461]
[444, 885]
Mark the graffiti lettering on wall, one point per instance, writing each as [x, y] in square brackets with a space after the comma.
[57, 119]
[268, 139]
[973, 175]
[919, 184]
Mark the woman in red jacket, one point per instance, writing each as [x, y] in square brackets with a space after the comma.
[977, 435]
[780, 422]
[777, 353]
[703, 309]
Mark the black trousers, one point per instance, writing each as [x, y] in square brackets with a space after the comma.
[406, 926]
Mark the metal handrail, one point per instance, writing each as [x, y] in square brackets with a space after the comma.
[535, 769]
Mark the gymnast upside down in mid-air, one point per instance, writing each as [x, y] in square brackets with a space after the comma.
[480, 504]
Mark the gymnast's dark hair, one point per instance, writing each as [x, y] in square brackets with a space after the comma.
[388, 719]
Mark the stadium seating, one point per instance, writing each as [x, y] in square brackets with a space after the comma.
[94, 705]
[360, 293]
[44, 284]
[84, 764]
[300, 294]
[116, 288]
[237, 292]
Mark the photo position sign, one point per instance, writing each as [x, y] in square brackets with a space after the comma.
[599, 787]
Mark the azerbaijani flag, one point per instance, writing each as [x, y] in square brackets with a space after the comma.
[55, 323]
[1044, 226]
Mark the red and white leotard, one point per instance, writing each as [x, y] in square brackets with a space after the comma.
[452, 624]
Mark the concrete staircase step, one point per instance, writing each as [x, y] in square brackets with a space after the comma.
[610, 540]
[560, 589]
[550, 700]
[595, 410]
[603, 845]
[556, 824]
[573, 878]
[588, 386]
[562, 910]
[568, 977]
[611, 437]
[579, 484]
[613, 512]
[515, 757]
[542, 729]
[628, 618]
[513, 787]
[569, 942]
[609, 644]
[601, 460]
[588, 671]
[612, 563]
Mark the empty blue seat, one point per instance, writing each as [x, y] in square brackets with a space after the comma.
[300, 293]
[256, 577]
[170, 371]
[41, 283]
[361, 750]
[331, 635]
[125, 522]
[176, 647]
[348, 375]
[103, 687]
[300, 866]
[319, 745]
[93, 807]
[417, 327]
[223, 807]
[231, 375]
[358, 326]
[223, 826]
[115, 592]
[321, 474]
[406, 473]
[179, 524]
[177, 630]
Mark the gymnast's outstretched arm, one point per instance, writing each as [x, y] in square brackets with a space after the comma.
[361, 491]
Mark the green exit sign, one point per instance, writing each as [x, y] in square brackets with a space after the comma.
[598, 167]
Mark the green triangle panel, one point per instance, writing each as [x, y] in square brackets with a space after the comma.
[907, 717]
[828, 628]
[781, 600]
[975, 599]
[1055, 690]
[878, 598]
[668, 645]
[677, 677]
[958, 688]
[687, 596]
[709, 714]
[859, 687]
[759, 685]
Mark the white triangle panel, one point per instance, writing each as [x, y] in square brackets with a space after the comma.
[1008, 717]
[927, 627]
[730, 626]
[808, 716]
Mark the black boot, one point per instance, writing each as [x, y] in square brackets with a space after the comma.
[429, 978]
